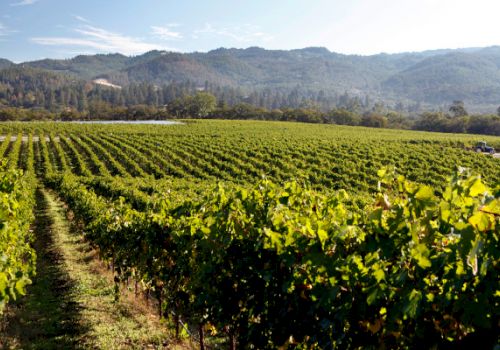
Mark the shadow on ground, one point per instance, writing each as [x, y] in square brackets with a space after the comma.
[48, 317]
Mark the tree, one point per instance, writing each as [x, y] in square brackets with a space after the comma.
[50, 100]
[374, 120]
[378, 107]
[202, 104]
[458, 109]
[397, 120]
[178, 107]
[431, 121]
[69, 115]
[484, 124]
[82, 100]
[342, 116]
[152, 96]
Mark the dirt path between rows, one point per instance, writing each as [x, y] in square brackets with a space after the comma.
[71, 304]
[49, 318]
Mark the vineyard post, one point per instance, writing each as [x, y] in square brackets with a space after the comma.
[202, 337]
[159, 296]
[177, 325]
[117, 288]
[232, 341]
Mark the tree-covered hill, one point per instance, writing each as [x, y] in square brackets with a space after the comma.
[431, 78]
[83, 66]
[454, 76]
[5, 63]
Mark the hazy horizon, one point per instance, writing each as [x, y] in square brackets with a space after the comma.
[249, 47]
[37, 29]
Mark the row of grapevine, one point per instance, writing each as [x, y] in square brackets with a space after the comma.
[5, 144]
[47, 162]
[271, 265]
[62, 158]
[17, 257]
[186, 162]
[113, 165]
[14, 152]
[115, 151]
[164, 166]
[283, 265]
[77, 160]
[329, 160]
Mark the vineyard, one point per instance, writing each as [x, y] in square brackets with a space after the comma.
[261, 235]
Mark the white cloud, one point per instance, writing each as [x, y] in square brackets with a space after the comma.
[24, 3]
[165, 32]
[4, 31]
[101, 40]
[71, 42]
[81, 19]
[243, 33]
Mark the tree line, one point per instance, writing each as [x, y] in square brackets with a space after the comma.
[31, 94]
[205, 106]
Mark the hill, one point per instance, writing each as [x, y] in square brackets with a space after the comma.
[460, 76]
[5, 63]
[432, 78]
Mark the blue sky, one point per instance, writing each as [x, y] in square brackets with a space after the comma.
[35, 29]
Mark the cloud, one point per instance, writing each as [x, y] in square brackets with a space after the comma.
[81, 19]
[24, 3]
[101, 40]
[4, 31]
[165, 32]
[242, 33]
[71, 42]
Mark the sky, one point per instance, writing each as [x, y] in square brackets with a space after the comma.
[36, 29]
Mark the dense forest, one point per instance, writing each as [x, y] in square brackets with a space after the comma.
[33, 87]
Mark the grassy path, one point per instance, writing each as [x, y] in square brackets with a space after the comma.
[71, 302]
